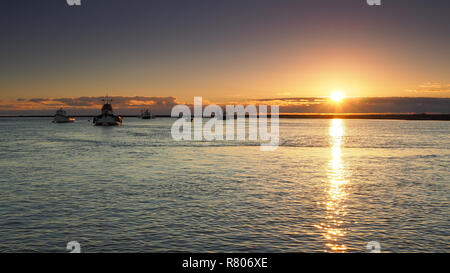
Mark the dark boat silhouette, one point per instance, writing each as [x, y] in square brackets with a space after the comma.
[107, 117]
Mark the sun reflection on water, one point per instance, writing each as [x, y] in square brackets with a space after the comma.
[335, 208]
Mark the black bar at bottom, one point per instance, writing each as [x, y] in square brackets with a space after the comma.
[226, 262]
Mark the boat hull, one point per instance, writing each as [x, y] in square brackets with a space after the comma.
[108, 121]
[64, 120]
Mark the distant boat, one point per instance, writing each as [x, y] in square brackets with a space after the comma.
[62, 117]
[146, 114]
[107, 117]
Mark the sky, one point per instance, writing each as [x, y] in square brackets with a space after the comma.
[167, 52]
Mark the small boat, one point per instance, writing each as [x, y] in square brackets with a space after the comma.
[146, 114]
[107, 117]
[62, 117]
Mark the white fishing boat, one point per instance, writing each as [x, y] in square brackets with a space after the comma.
[62, 117]
[107, 117]
[146, 114]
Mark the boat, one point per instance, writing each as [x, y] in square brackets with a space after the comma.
[107, 117]
[62, 117]
[146, 114]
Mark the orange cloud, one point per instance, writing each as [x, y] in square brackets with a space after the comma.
[84, 102]
[163, 105]
[431, 87]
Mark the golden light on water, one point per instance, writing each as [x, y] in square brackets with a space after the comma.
[335, 208]
[336, 132]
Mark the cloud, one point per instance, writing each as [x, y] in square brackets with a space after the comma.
[163, 105]
[90, 104]
[119, 101]
[431, 87]
[364, 105]
[293, 100]
[355, 104]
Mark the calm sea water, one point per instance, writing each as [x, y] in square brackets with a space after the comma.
[332, 186]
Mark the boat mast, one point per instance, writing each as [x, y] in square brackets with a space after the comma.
[106, 99]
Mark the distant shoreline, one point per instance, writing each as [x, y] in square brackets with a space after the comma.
[445, 117]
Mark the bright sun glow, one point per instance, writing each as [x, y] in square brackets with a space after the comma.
[337, 96]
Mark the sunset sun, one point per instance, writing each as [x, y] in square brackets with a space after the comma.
[337, 96]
